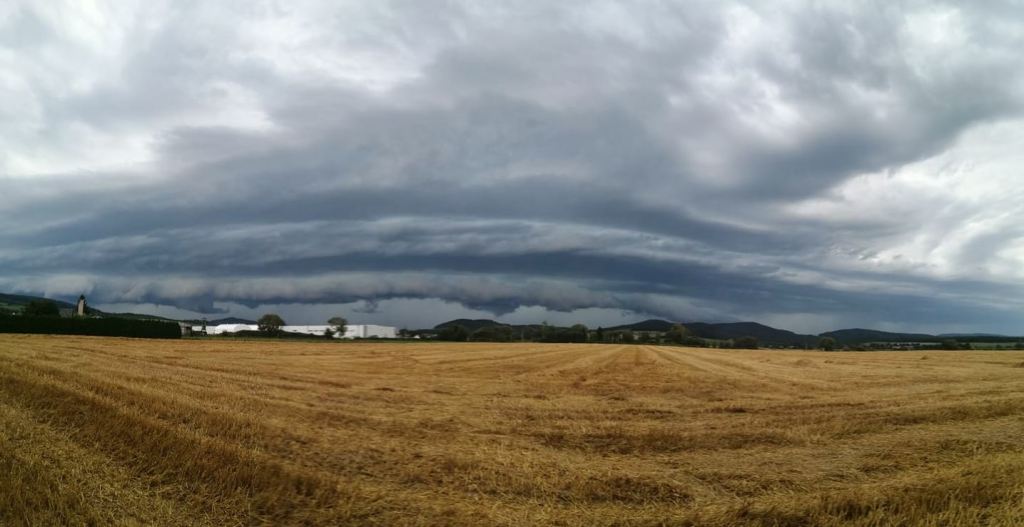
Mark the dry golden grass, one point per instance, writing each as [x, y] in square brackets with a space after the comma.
[97, 431]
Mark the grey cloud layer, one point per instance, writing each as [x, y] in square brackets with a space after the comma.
[610, 155]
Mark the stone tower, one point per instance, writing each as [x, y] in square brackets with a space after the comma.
[80, 308]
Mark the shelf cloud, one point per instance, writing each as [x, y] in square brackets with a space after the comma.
[812, 164]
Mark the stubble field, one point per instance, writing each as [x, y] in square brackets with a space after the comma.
[97, 431]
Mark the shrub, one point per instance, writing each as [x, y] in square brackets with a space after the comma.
[41, 308]
[339, 326]
[677, 334]
[745, 343]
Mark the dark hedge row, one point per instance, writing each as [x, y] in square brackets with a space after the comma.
[100, 327]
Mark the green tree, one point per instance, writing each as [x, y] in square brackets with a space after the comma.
[41, 308]
[827, 343]
[271, 323]
[677, 334]
[338, 325]
[329, 333]
[694, 342]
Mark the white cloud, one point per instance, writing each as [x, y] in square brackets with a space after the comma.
[956, 215]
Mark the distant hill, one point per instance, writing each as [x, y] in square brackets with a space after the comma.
[16, 302]
[764, 334]
[727, 330]
[474, 324]
[470, 324]
[647, 325]
[961, 335]
[860, 336]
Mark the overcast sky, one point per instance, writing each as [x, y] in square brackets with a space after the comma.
[808, 165]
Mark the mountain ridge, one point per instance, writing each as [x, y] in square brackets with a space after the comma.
[708, 330]
[862, 335]
[763, 333]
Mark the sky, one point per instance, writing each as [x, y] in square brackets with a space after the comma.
[808, 165]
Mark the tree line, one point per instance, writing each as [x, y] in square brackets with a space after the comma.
[677, 334]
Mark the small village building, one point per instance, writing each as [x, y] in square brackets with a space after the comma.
[221, 329]
[369, 331]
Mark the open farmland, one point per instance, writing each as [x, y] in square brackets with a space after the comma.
[119, 431]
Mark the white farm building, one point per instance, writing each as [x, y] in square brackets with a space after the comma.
[354, 331]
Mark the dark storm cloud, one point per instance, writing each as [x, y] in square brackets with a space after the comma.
[688, 163]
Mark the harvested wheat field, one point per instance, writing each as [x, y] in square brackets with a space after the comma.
[97, 431]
